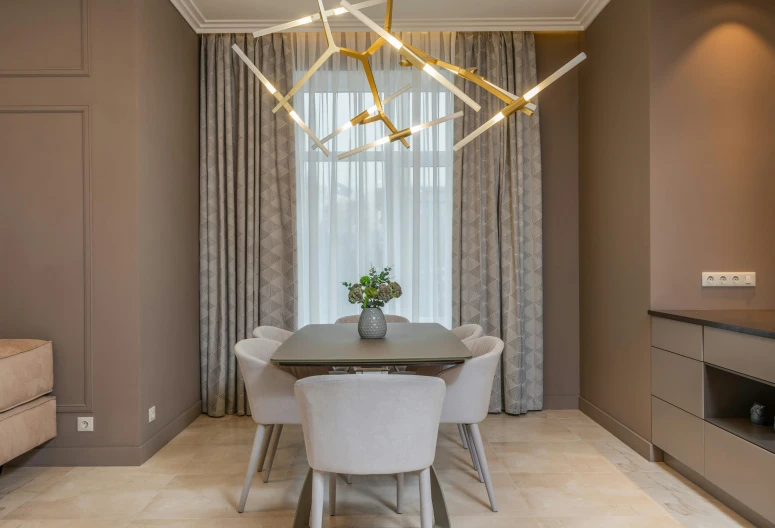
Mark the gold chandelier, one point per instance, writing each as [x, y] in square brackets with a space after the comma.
[411, 56]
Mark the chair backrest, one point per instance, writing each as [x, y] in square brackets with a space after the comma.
[368, 424]
[469, 331]
[272, 332]
[388, 318]
[469, 385]
[269, 388]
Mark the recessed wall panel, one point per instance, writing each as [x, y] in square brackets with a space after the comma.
[44, 37]
[44, 239]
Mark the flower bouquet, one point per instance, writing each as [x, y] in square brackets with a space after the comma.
[372, 292]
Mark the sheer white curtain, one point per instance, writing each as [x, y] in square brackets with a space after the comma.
[389, 206]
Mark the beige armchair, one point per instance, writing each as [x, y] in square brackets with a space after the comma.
[27, 410]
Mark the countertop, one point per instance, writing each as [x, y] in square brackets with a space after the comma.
[753, 322]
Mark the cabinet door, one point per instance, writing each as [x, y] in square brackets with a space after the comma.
[677, 380]
[677, 337]
[743, 470]
[678, 433]
[751, 355]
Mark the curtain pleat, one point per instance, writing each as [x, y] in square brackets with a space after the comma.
[497, 247]
[247, 201]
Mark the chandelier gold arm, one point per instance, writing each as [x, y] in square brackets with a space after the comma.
[364, 57]
[410, 55]
[364, 117]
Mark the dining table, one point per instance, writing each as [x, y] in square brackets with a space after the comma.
[404, 345]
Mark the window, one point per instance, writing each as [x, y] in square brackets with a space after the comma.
[389, 206]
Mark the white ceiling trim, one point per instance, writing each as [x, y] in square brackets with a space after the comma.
[580, 22]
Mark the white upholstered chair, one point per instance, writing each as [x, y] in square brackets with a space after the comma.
[272, 332]
[272, 403]
[388, 318]
[468, 400]
[466, 332]
[369, 425]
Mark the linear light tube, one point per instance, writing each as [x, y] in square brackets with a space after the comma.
[311, 18]
[277, 96]
[386, 139]
[478, 132]
[417, 128]
[556, 75]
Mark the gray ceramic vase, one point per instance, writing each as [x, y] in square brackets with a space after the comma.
[372, 324]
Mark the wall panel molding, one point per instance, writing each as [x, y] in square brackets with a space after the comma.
[86, 406]
[82, 70]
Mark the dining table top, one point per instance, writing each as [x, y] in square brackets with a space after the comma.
[410, 344]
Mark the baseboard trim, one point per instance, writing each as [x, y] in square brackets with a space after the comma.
[561, 401]
[173, 429]
[109, 456]
[635, 441]
[724, 497]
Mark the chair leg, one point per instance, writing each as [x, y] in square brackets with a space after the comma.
[472, 452]
[272, 451]
[462, 436]
[400, 493]
[479, 445]
[316, 513]
[426, 502]
[254, 454]
[265, 447]
[332, 494]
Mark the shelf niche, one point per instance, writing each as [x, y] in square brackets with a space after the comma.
[728, 400]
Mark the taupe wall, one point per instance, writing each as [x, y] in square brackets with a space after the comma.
[712, 151]
[614, 215]
[168, 197]
[76, 178]
[560, 170]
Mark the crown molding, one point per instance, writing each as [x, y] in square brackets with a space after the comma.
[589, 11]
[580, 22]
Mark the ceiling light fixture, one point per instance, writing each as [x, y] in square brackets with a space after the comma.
[412, 56]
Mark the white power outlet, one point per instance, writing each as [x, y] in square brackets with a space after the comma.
[729, 279]
[151, 414]
[86, 424]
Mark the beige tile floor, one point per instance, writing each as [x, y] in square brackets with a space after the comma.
[554, 469]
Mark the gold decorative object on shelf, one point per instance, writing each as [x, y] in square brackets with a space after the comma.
[412, 56]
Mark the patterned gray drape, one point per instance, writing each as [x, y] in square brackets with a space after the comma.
[496, 238]
[247, 247]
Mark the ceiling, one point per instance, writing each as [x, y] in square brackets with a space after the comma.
[243, 16]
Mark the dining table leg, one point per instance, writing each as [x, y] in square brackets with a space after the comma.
[304, 504]
[440, 512]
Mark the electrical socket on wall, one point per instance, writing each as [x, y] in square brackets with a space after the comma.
[728, 279]
[151, 414]
[86, 424]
